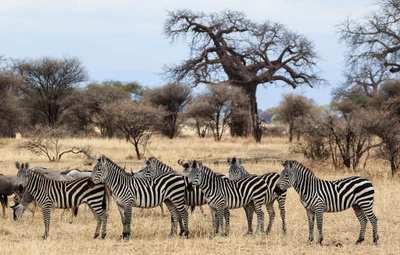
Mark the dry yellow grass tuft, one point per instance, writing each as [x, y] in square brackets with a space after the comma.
[150, 229]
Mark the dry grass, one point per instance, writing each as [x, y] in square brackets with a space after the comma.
[150, 229]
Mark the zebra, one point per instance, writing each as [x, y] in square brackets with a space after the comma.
[318, 196]
[223, 194]
[237, 171]
[129, 191]
[61, 194]
[193, 196]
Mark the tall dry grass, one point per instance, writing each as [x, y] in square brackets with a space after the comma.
[150, 229]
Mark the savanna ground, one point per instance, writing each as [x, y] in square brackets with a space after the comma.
[150, 229]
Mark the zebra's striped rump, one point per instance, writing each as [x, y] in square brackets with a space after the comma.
[319, 196]
[148, 192]
[64, 194]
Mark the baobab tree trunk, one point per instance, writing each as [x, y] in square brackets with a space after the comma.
[249, 125]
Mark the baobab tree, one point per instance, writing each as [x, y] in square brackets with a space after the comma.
[227, 47]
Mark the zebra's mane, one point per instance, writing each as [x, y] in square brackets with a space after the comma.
[109, 161]
[303, 167]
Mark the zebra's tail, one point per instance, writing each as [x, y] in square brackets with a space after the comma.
[192, 207]
[75, 211]
[106, 196]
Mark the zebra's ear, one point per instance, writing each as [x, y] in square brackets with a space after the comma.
[146, 162]
[199, 164]
[26, 166]
[180, 162]
[282, 163]
[103, 159]
[240, 161]
[17, 165]
[228, 160]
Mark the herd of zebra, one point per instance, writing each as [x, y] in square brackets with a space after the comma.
[197, 185]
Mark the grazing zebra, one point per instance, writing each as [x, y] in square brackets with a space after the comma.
[150, 192]
[223, 194]
[62, 194]
[237, 172]
[319, 196]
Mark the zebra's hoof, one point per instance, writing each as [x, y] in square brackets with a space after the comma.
[95, 236]
[360, 240]
[376, 239]
[103, 236]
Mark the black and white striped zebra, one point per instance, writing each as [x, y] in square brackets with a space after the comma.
[319, 196]
[62, 194]
[237, 172]
[129, 191]
[193, 196]
[223, 194]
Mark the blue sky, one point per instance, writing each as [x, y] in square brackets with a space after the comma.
[123, 40]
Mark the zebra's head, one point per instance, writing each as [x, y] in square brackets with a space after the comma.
[99, 172]
[22, 174]
[195, 175]
[145, 172]
[186, 165]
[18, 210]
[287, 178]
[236, 169]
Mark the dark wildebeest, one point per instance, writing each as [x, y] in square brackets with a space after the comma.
[8, 187]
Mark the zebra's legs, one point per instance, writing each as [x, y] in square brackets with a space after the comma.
[214, 222]
[125, 211]
[98, 220]
[227, 215]
[183, 216]
[3, 201]
[281, 203]
[319, 215]
[260, 218]
[374, 221]
[174, 218]
[363, 222]
[310, 217]
[249, 210]
[220, 220]
[127, 224]
[271, 213]
[46, 219]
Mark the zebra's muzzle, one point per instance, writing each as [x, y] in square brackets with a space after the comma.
[278, 190]
[90, 182]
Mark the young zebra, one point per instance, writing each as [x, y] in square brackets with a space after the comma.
[237, 172]
[61, 194]
[150, 192]
[319, 196]
[223, 194]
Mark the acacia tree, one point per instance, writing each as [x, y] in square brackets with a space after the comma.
[10, 114]
[228, 47]
[293, 109]
[91, 98]
[374, 39]
[138, 120]
[47, 82]
[172, 97]
[218, 106]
